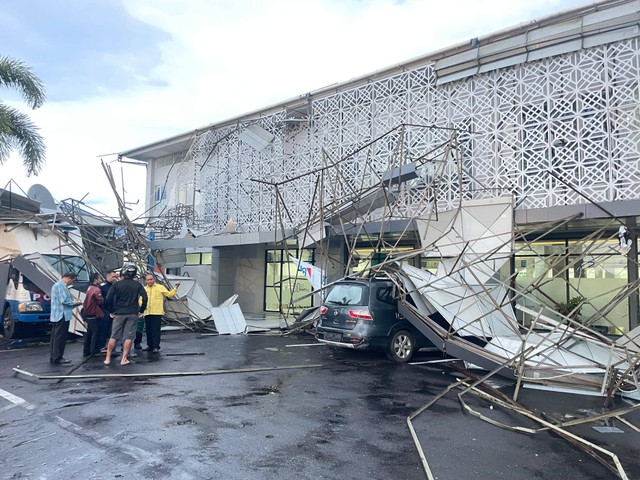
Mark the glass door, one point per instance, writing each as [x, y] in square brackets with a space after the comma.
[284, 283]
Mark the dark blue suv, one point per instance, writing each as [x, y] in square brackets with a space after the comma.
[362, 314]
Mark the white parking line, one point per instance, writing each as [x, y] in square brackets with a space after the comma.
[109, 442]
[132, 451]
[17, 401]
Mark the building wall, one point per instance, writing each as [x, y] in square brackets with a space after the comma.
[541, 130]
[241, 270]
[233, 270]
[249, 266]
[332, 260]
[575, 114]
[202, 274]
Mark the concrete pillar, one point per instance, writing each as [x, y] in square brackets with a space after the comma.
[214, 293]
[632, 273]
[223, 275]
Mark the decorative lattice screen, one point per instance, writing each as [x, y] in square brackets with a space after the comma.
[577, 115]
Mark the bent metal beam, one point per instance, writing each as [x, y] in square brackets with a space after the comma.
[162, 374]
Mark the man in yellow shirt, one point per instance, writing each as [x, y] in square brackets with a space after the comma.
[155, 310]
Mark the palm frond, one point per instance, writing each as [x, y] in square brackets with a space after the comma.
[16, 74]
[20, 133]
[5, 147]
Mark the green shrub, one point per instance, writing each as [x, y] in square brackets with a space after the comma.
[567, 307]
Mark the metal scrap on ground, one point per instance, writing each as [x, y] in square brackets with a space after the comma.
[102, 243]
[471, 307]
[162, 374]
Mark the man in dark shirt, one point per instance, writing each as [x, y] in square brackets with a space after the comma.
[92, 314]
[124, 300]
[107, 321]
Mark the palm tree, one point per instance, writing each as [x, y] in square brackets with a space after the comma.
[17, 131]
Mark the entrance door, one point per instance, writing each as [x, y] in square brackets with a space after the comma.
[284, 283]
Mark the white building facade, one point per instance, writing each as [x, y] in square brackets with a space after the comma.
[548, 111]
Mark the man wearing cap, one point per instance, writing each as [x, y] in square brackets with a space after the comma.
[125, 298]
[61, 314]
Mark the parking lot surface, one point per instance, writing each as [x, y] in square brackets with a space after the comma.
[343, 419]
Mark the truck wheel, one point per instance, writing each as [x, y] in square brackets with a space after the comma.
[401, 346]
[8, 324]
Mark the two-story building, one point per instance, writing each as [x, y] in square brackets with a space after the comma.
[552, 108]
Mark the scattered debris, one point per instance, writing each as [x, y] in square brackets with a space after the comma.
[34, 439]
[608, 429]
[51, 235]
[478, 387]
[162, 374]
[468, 307]
[182, 354]
[444, 360]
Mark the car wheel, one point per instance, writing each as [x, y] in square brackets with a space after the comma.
[401, 346]
[8, 324]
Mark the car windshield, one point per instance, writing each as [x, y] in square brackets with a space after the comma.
[346, 294]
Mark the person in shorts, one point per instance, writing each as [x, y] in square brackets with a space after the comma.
[128, 300]
[106, 322]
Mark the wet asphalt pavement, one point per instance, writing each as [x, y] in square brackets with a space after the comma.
[346, 419]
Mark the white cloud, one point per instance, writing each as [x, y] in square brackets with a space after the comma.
[228, 58]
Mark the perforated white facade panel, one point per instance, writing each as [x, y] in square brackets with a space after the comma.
[577, 115]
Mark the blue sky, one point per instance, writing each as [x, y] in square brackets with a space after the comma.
[124, 73]
[82, 48]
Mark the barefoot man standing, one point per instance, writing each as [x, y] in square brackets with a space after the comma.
[124, 296]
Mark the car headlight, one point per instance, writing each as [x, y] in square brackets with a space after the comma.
[30, 307]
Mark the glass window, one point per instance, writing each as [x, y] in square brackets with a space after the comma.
[193, 259]
[308, 255]
[274, 275]
[294, 286]
[364, 258]
[69, 263]
[600, 247]
[272, 299]
[284, 283]
[561, 270]
[346, 294]
[185, 193]
[429, 264]
[274, 256]
[160, 196]
[198, 258]
[385, 294]
[540, 248]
